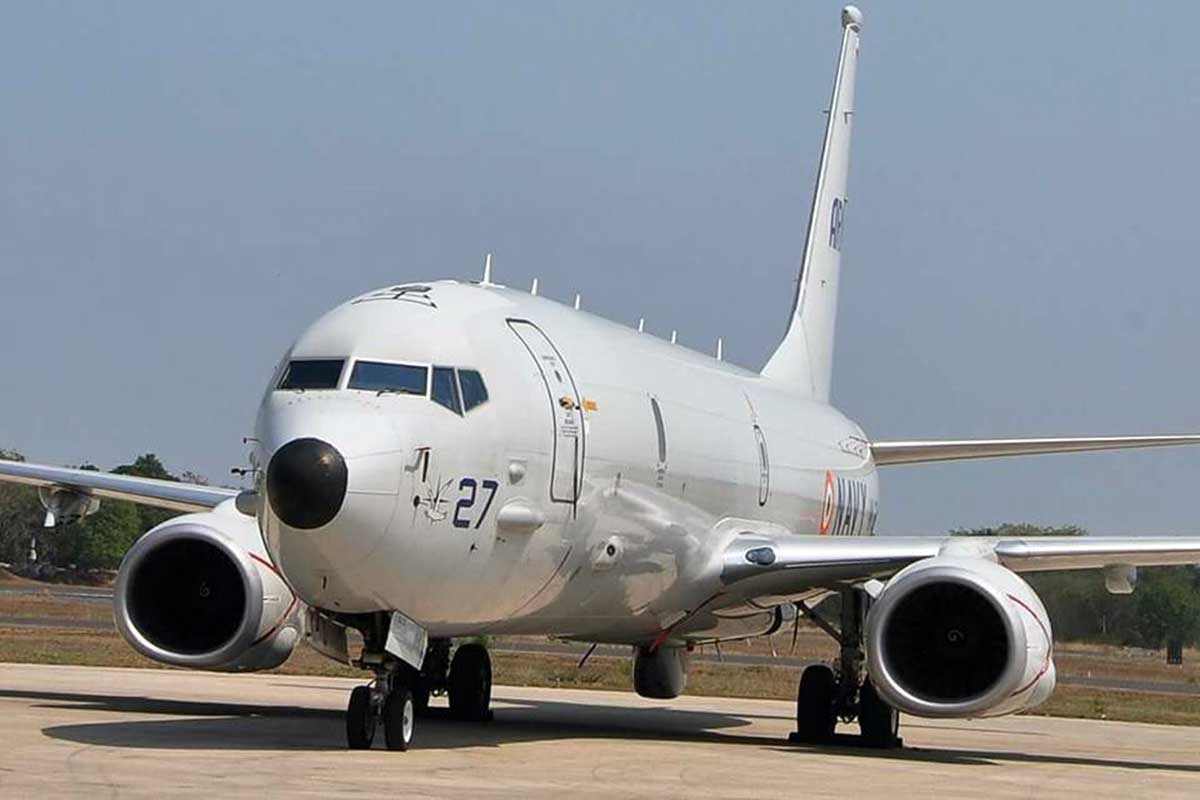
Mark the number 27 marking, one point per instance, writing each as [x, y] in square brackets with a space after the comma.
[466, 503]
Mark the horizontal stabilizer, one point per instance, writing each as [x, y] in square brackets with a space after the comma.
[919, 452]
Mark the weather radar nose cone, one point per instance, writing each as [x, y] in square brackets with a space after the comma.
[851, 16]
[306, 483]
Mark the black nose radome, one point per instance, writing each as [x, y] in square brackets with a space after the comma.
[306, 483]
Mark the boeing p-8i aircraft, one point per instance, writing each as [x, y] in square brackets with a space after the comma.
[436, 461]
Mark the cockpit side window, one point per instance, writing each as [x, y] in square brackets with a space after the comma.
[474, 393]
[377, 376]
[315, 373]
[445, 389]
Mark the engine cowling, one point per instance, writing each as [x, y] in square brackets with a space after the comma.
[959, 637]
[195, 592]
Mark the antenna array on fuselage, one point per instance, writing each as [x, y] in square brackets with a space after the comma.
[578, 305]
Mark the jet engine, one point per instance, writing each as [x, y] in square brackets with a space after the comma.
[194, 592]
[959, 637]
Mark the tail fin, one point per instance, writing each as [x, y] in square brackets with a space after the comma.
[804, 359]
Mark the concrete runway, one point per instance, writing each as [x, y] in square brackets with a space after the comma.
[99, 732]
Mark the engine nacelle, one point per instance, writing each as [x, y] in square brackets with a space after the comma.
[194, 592]
[959, 637]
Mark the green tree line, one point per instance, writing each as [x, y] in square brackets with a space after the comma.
[98, 541]
[1164, 606]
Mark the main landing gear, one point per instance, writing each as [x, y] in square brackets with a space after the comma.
[400, 694]
[827, 695]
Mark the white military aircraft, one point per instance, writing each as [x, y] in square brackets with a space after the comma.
[435, 461]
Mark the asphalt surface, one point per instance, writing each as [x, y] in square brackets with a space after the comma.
[95, 732]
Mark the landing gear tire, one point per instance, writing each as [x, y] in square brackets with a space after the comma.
[360, 719]
[421, 700]
[878, 722]
[399, 715]
[470, 683]
[815, 719]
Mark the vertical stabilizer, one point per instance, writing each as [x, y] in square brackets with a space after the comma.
[804, 359]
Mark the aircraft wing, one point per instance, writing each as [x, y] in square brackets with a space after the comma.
[918, 452]
[757, 565]
[147, 491]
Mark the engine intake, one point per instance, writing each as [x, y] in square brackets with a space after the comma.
[190, 593]
[959, 637]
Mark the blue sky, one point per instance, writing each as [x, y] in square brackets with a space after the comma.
[185, 186]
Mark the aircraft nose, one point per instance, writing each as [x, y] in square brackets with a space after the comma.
[306, 483]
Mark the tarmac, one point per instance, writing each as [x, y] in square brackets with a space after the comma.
[100, 732]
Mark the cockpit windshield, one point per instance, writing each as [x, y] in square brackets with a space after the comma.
[445, 389]
[474, 393]
[316, 373]
[377, 376]
[458, 390]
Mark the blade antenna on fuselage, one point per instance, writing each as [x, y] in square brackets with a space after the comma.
[487, 271]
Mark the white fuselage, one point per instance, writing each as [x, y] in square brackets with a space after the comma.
[584, 498]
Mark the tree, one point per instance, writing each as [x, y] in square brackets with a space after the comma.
[1020, 529]
[21, 516]
[99, 541]
[1168, 607]
[148, 465]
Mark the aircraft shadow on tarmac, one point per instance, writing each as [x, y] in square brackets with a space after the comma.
[228, 726]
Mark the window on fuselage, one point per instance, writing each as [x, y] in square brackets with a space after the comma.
[316, 373]
[378, 376]
[445, 389]
[474, 392]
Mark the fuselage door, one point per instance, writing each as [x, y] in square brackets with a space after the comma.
[566, 409]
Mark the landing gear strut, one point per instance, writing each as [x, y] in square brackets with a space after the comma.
[827, 694]
[400, 693]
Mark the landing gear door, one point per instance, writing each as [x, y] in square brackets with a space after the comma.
[566, 409]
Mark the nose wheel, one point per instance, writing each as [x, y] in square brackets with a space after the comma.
[400, 693]
[385, 702]
[361, 719]
[399, 717]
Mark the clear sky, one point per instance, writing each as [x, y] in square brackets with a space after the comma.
[184, 186]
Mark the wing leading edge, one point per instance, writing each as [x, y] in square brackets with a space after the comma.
[920, 452]
[768, 565]
[147, 491]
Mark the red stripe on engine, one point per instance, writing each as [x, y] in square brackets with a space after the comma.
[1049, 647]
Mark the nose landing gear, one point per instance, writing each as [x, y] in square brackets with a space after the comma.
[385, 701]
[826, 695]
[400, 693]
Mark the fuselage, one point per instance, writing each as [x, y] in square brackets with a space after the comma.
[583, 497]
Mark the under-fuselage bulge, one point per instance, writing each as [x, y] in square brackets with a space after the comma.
[485, 460]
